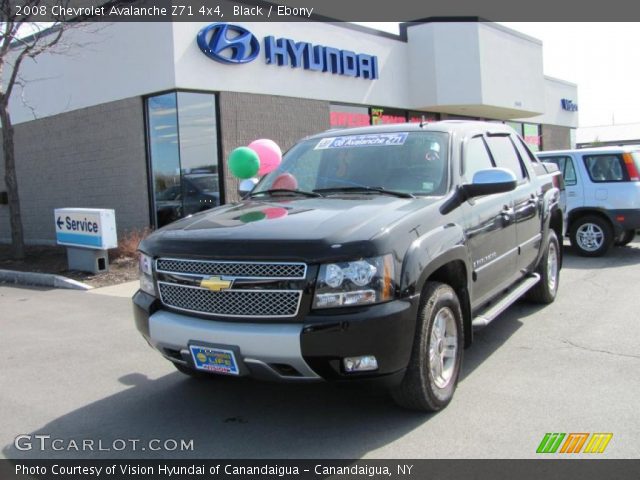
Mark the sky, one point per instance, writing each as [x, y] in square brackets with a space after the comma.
[602, 58]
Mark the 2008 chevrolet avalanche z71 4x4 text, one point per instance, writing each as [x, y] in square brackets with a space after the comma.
[368, 254]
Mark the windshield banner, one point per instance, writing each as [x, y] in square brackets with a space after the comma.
[373, 140]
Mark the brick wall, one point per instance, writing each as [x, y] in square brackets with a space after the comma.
[92, 157]
[555, 137]
[247, 117]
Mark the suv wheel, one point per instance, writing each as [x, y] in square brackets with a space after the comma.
[549, 270]
[591, 236]
[626, 238]
[436, 358]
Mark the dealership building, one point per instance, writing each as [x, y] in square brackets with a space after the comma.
[141, 117]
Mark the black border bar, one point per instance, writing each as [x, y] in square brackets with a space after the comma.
[324, 10]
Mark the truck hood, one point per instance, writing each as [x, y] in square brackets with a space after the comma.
[297, 228]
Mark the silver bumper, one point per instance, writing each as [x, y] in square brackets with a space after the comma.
[261, 345]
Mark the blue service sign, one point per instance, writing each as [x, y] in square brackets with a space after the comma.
[86, 227]
[233, 44]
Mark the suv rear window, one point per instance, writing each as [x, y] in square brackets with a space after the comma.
[606, 168]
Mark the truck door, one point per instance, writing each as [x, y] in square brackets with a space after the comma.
[490, 229]
[526, 197]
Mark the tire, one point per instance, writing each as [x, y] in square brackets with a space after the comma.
[549, 270]
[624, 239]
[591, 236]
[434, 366]
[192, 372]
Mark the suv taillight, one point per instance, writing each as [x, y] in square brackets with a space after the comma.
[632, 169]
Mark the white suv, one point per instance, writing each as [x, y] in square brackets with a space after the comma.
[603, 195]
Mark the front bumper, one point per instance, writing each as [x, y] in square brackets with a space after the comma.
[309, 351]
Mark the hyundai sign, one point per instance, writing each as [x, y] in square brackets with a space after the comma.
[569, 105]
[228, 43]
[86, 227]
[233, 44]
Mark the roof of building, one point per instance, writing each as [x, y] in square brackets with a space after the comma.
[608, 133]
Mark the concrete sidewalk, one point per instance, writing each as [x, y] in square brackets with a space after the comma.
[121, 290]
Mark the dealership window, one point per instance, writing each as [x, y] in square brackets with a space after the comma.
[417, 117]
[532, 136]
[183, 148]
[517, 126]
[381, 116]
[344, 116]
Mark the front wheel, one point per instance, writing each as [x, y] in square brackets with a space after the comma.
[549, 270]
[591, 236]
[436, 358]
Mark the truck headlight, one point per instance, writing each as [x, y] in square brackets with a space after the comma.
[146, 274]
[362, 282]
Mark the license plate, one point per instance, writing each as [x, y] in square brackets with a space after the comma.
[214, 360]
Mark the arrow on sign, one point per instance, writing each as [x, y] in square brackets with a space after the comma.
[60, 223]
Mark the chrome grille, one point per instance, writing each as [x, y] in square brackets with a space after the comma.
[288, 271]
[231, 303]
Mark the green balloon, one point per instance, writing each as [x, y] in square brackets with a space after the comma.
[244, 162]
[252, 217]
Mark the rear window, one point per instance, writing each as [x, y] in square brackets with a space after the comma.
[607, 167]
[505, 155]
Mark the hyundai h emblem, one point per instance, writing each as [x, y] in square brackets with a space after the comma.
[228, 43]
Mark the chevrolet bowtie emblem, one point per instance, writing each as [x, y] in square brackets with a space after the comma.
[216, 284]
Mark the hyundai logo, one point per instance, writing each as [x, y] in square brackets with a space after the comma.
[228, 43]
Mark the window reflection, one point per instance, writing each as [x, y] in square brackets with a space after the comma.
[184, 154]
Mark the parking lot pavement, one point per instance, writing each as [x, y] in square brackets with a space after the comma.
[74, 368]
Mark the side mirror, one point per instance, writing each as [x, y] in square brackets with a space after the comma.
[490, 181]
[245, 186]
[485, 182]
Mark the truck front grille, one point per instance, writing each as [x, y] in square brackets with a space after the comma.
[261, 270]
[231, 303]
[260, 289]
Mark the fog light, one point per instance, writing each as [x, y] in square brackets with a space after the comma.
[360, 364]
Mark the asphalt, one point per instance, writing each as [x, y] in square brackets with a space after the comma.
[74, 367]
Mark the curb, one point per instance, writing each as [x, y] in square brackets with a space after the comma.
[41, 280]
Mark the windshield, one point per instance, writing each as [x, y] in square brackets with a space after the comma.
[410, 162]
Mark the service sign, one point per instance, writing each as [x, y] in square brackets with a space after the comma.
[86, 227]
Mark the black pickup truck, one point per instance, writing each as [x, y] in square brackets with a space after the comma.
[370, 255]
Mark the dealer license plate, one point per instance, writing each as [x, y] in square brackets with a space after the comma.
[214, 360]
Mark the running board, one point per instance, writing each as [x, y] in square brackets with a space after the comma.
[492, 312]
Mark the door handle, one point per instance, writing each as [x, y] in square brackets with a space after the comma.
[507, 214]
[572, 194]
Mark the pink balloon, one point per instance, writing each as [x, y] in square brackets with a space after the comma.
[286, 181]
[269, 153]
[275, 212]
